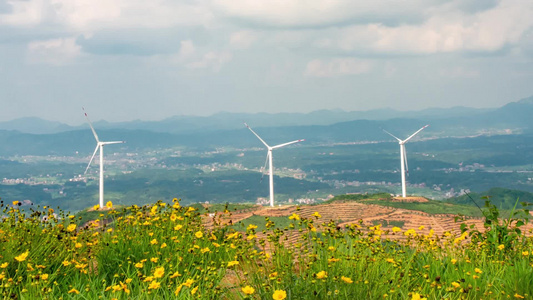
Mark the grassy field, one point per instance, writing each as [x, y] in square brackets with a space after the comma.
[166, 251]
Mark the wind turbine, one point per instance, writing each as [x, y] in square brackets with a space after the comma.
[269, 161]
[99, 145]
[403, 155]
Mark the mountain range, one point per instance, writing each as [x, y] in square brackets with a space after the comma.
[33, 136]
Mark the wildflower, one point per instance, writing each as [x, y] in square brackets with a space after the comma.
[4, 265]
[416, 296]
[96, 207]
[193, 291]
[15, 202]
[279, 295]
[331, 248]
[317, 215]
[73, 291]
[78, 245]
[148, 279]
[501, 247]
[153, 242]
[109, 204]
[128, 280]
[204, 250]
[71, 227]
[525, 253]
[22, 257]
[176, 274]
[188, 283]
[177, 227]
[251, 226]
[199, 234]
[154, 285]
[294, 216]
[346, 279]
[232, 263]
[163, 245]
[139, 265]
[453, 261]
[396, 229]
[421, 227]
[2, 276]
[390, 260]
[321, 275]
[455, 284]
[475, 276]
[248, 290]
[154, 259]
[159, 272]
[178, 289]
[477, 270]
[173, 217]
[66, 263]
[44, 276]
[518, 296]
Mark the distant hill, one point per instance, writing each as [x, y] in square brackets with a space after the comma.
[228, 121]
[501, 197]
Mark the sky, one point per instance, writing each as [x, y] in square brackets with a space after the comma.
[136, 59]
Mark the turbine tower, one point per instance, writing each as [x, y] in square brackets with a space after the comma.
[269, 161]
[403, 155]
[99, 146]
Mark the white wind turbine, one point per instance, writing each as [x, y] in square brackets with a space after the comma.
[269, 160]
[99, 145]
[403, 155]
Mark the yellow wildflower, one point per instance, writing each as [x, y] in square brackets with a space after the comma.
[139, 265]
[396, 229]
[153, 242]
[22, 257]
[517, 296]
[177, 227]
[321, 275]
[193, 291]
[78, 245]
[176, 274]
[44, 276]
[279, 295]
[73, 291]
[248, 290]
[477, 270]
[163, 245]
[178, 289]
[159, 272]
[501, 247]
[109, 204]
[199, 234]
[251, 226]
[416, 296]
[4, 265]
[71, 227]
[317, 215]
[453, 261]
[154, 285]
[188, 283]
[294, 216]
[154, 259]
[525, 253]
[346, 279]
[15, 202]
[455, 284]
[232, 263]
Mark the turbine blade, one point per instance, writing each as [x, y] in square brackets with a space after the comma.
[92, 157]
[412, 135]
[264, 167]
[283, 145]
[92, 128]
[110, 143]
[405, 160]
[257, 135]
[391, 134]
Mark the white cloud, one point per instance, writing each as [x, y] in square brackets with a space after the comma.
[304, 13]
[88, 15]
[444, 31]
[336, 67]
[54, 51]
[212, 60]
[242, 39]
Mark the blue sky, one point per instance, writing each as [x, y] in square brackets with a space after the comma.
[132, 59]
